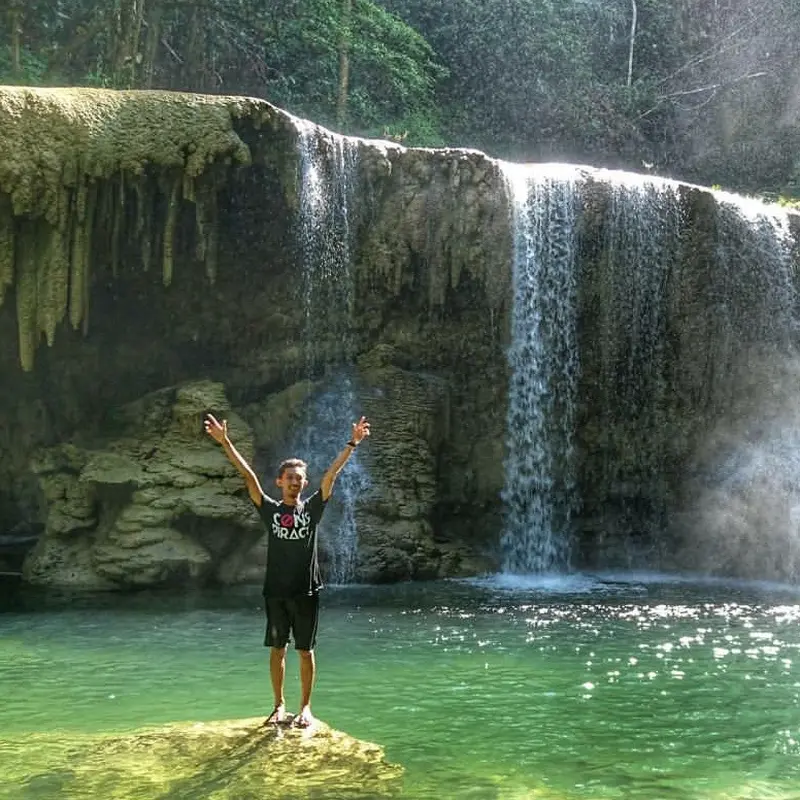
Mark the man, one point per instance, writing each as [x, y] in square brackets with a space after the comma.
[292, 581]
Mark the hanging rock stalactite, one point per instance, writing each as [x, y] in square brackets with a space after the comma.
[442, 213]
[87, 174]
[6, 247]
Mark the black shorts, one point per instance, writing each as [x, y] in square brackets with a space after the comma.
[297, 616]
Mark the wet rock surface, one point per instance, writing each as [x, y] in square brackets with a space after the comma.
[225, 760]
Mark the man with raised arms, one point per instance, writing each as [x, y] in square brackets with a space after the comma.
[292, 580]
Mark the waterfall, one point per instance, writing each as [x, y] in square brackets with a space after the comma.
[539, 493]
[754, 272]
[328, 165]
[746, 514]
[691, 320]
[640, 242]
[688, 314]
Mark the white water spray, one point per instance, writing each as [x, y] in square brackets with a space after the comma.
[329, 164]
[641, 243]
[539, 492]
[745, 519]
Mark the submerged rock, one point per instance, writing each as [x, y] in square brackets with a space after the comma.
[227, 759]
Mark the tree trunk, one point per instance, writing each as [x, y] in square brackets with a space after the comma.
[151, 43]
[635, 14]
[126, 55]
[344, 64]
[194, 62]
[15, 22]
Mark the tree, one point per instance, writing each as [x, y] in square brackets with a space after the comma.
[705, 91]
[523, 79]
[352, 60]
[730, 92]
[14, 15]
[702, 90]
[344, 63]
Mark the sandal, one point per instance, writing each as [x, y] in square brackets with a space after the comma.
[279, 716]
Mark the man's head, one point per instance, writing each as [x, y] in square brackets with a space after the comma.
[292, 479]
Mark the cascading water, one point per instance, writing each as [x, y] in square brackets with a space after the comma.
[753, 256]
[691, 320]
[329, 164]
[640, 243]
[687, 314]
[746, 515]
[539, 492]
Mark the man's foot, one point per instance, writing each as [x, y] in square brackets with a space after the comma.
[279, 716]
[305, 719]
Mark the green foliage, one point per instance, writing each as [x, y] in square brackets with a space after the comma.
[710, 83]
[392, 70]
[532, 79]
[287, 52]
[32, 72]
[393, 65]
[414, 130]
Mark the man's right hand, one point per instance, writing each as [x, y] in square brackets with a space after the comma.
[218, 431]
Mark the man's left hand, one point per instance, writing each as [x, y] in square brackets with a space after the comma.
[360, 430]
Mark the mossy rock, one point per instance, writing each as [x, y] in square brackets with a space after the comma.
[74, 162]
[238, 759]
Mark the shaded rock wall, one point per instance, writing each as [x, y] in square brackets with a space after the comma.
[150, 503]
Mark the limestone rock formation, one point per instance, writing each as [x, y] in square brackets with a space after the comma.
[72, 161]
[155, 504]
[107, 184]
[226, 760]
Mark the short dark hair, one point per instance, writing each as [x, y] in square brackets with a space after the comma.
[292, 462]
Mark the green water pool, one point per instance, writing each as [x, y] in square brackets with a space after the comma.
[580, 687]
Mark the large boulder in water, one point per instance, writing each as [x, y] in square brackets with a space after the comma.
[237, 759]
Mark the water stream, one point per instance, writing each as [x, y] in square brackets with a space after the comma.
[642, 324]
[329, 165]
[539, 493]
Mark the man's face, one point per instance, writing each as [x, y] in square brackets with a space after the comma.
[292, 482]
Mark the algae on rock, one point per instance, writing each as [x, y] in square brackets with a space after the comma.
[6, 247]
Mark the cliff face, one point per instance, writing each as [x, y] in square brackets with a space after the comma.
[163, 255]
[153, 240]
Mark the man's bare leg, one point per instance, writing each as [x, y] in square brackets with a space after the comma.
[277, 674]
[307, 673]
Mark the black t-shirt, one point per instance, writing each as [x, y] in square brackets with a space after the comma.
[292, 562]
